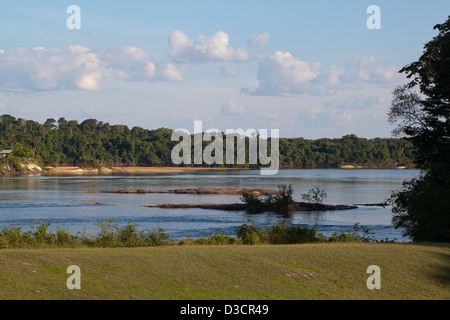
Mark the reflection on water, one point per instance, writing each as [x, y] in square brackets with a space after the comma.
[76, 203]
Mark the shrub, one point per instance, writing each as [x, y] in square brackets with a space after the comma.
[352, 234]
[41, 235]
[315, 195]
[283, 200]
[64, 238]
[106, 237]
[129, 236]
[280, 233]
[280, 202]
[217, 239]
[252, 201]
[158, 237]
[12, 237]
[250, 234]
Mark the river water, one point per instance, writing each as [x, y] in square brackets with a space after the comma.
[76, 203]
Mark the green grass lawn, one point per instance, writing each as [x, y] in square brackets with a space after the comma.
[288, 272]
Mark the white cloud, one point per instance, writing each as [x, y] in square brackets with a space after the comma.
[282, 74]
[232, 109]
[367, 103]
[78, 68]
[130, 63]
[170, 73]
[354, 110]
[229, 70]
[215, 48]
[150, 69]
[334, 74]
[362, 62]
[45, 69]
[54, 68]
[386, 74]
[2, 106]
[259, 40]
[368, 69]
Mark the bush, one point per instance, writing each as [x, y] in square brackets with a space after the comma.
[251, 234]
[112, 236]
[253, 202]
[283, 200]
[280, 233]
[129, 236]
[280, 202]
[158, 237]
[12, 237]
[64, 238]
[41, 235]
[314, 195]
[216, 239]
[107, 237]
[291, 234]
[352, 234]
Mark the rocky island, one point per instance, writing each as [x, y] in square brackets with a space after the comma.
[296, 206]
[261, 207]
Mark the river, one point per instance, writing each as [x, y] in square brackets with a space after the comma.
[76, 203]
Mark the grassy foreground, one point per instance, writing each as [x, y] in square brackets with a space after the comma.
[288, 272]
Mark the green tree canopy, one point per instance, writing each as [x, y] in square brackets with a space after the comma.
[422, 207]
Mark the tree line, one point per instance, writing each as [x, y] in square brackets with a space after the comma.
[421, 111]
[96, 143]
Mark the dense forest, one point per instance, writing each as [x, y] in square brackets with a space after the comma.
[93, 143]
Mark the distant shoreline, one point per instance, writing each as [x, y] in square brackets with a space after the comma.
[77, 170]
[349, 166]
[74, 170]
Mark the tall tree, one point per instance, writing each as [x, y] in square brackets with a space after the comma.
[422, 207]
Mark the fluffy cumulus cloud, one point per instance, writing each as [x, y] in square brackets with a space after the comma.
[77, 68]
[42, 69]
[130, 63]
[215, 48]
[363, 69]
[170, 73]
[282, 74]
[231, 109]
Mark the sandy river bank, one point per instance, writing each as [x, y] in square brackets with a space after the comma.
[81, 171]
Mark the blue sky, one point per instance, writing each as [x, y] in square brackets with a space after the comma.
[309, 69]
